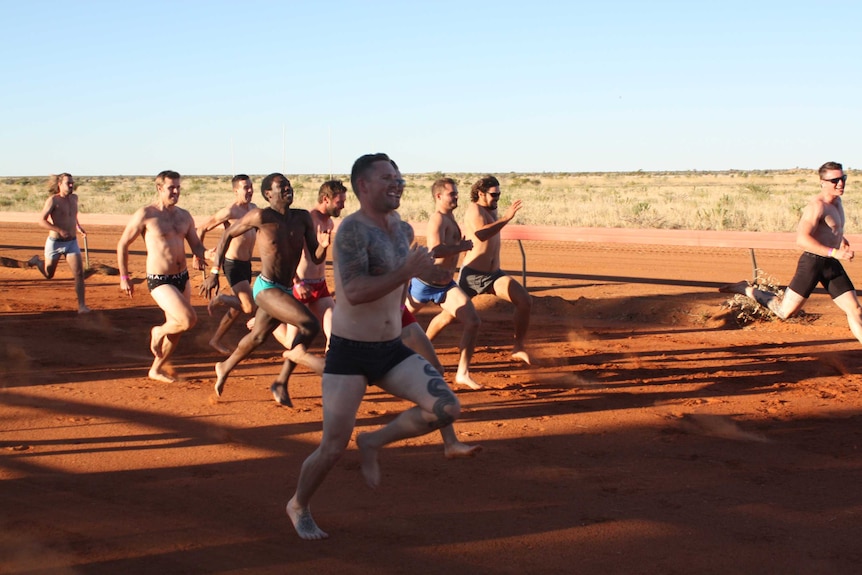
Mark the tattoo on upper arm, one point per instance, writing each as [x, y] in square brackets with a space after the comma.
[351, 250]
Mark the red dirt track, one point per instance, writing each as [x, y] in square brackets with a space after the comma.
[652, 435]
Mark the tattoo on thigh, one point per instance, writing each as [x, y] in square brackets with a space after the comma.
[437, 388]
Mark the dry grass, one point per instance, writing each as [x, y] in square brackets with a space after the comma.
[766, 200]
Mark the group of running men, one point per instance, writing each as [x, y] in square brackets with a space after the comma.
[381, 275]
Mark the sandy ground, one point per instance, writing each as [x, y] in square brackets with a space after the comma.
[653, 435]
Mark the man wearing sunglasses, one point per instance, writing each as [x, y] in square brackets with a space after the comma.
[820, 234]
[480, 270]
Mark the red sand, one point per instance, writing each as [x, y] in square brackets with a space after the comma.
[652, 436]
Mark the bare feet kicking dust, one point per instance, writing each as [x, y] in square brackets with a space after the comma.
[220, 379]
[647, 414]
[160, 376]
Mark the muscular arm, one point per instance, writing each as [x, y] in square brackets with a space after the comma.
[317, 243]
[133, 229]
[435, 240]
[443, 251]
[80, 228]
[483, 231]
[249, 221]
[220, 218]
[195, 244]
[47, 209]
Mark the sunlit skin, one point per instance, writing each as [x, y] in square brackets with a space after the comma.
[374, 258]
[482, 226]
[282, 233]
[60, 217]
[820, 232]
[240, 250]
[322, 215]
[166, 229]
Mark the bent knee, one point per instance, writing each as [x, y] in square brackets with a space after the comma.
[188, 321]
[453, 411]
[446, 411]
[471, 321]
[308, 329]
[332, 449]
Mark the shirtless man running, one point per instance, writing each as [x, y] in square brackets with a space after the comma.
[443, 237]
[480, 271]
[820, 234]
[373, 262]
[60, 217]
[166, 228]
[309, 283]
[283, 232]
[237, 263]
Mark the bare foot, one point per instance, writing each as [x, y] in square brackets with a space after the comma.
[465, 379]
[738, 287]
[36, 262]
[280, 395]
[160, 376]
[216, 345]
[156, 340]
[522, 355]
[304, 523]
[458, 450]
[369, 464]
[299, 355]
[84, 309]
[221, 378]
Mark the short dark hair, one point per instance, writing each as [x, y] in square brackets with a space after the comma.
[166, 175]
[829, 166]
[330, 189]
[439, 186]
[239, 178]
[361, 166]
[266, 183]
[482, 185]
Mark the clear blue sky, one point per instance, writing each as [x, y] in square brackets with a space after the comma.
[121, 87]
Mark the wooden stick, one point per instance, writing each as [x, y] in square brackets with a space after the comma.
[86, 253]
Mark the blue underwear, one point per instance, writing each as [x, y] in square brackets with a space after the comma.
[263, 283]
[423, 292]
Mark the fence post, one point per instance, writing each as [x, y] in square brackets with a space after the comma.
[523, 264]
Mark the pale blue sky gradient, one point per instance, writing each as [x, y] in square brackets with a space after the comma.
[132, 88]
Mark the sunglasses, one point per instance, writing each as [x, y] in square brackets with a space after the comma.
[494, 195]
[836, 180]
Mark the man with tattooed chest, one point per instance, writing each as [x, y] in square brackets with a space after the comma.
[373, 260]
